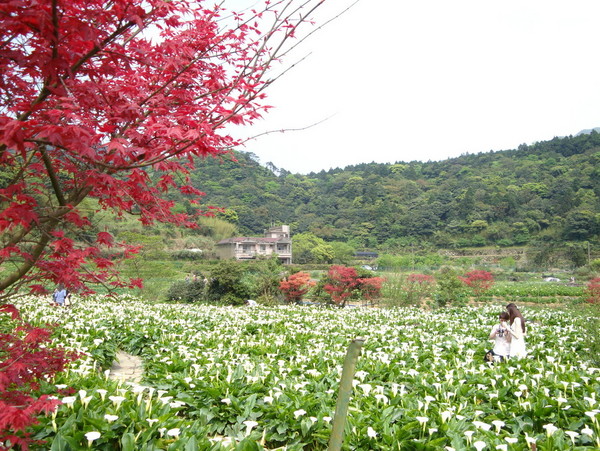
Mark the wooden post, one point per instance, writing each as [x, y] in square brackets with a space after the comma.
[341, 407]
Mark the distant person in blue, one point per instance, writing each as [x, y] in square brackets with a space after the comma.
[59, 295]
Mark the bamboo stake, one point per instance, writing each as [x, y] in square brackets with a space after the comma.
[341, 408]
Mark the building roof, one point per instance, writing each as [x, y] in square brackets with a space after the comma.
[254, 239]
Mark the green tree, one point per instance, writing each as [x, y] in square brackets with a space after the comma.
[309, 248]
[581, 225]
[450, 289]
[342, 252]
[264, 277]
[226, 284]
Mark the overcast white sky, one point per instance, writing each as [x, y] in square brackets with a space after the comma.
[432, 79]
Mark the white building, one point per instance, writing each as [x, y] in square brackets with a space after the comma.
[276, 241]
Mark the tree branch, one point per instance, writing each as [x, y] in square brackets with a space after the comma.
[53, 179]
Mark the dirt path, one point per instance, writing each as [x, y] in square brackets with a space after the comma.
[127, 368]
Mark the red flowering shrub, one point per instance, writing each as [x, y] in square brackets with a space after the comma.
[296, 286]
[344, 282]
[592, 291]
[370, 288]
[25, 359]
[479, 281]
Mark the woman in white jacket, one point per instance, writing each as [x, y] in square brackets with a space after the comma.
[517, 332]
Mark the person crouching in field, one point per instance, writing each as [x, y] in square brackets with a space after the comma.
[501, 335]
[60, 295]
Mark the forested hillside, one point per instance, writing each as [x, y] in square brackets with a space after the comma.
[546, 192]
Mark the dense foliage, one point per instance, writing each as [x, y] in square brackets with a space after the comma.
[263, 378]
[28, 359]
[541, 195]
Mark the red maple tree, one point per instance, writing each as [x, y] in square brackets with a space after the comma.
[95, 96]
[295, 286]
[592, 290]
[344, 283]
[479, 281]
[25, 359]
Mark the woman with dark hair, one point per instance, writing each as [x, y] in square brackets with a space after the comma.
[517, 331]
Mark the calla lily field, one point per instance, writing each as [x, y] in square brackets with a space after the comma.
[224, 378]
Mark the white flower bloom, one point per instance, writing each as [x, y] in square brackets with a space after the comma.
[102, 392]
[511, 440]
[165, 399]
[502, 447]
[226, 401]
[249, 425]
[572, 435]
[110, 418]
[469, 435]
[174, 432]
[446, 414]
[92, 435]
[382, 398]
[326, 419]
[422, 420]
[366, 388]
[550, 429]
[479, 445]
[117, 400]
[151, 421]
[482, 425]
[361, 374]
[85, 401]
[587, 431]
[299, 413]
[530, 440]
[268, 399]
[499, 424]
[69, 400]
[371, 432]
